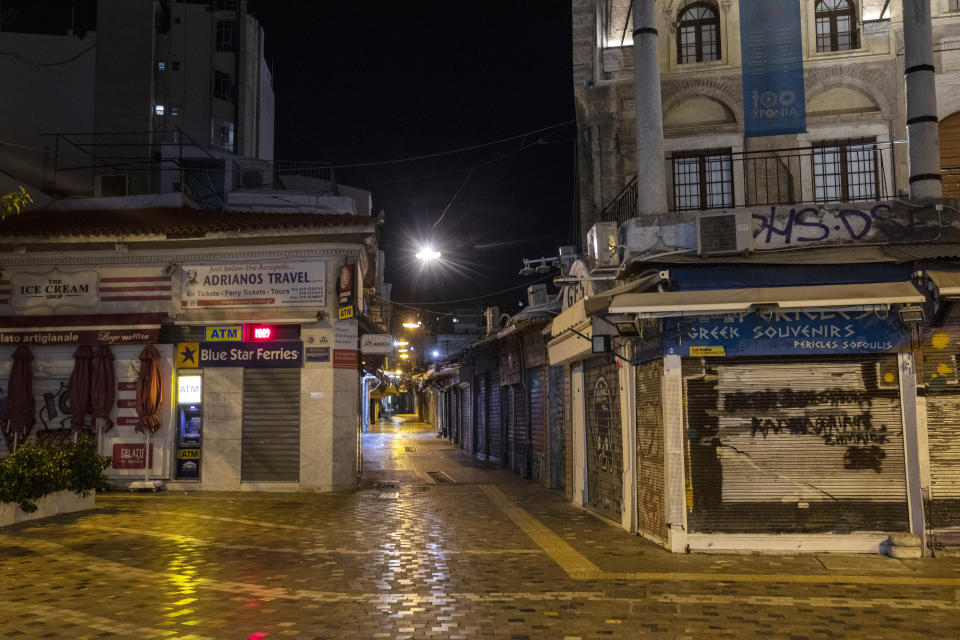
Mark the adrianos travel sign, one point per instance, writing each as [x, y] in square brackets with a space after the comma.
[254, 284]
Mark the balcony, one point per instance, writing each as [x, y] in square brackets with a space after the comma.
[826, 173]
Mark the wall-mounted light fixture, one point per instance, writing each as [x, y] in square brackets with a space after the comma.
[912, 313]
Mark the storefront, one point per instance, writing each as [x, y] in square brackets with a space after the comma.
[786, 418]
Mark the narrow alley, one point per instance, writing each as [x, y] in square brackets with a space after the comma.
[434, 545]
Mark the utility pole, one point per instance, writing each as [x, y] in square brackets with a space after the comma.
[922, 123]
[651, 179]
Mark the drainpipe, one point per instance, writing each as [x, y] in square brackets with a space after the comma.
[922, 129]
[651, 179]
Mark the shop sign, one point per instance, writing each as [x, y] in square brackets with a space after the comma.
[787, 333]
[346, 358]
[188, 464]
[345, 284]
[376, 343]
[230, 333]
[130, 455]
[344, 313]
[19, 336]
[272, 355]
[254, 284]
[54, 289]
[317, 354]
[345, 351]
[189, 389]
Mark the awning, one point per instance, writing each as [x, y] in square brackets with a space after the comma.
[947, 282]
[95, 328]
[240, 316]
[742, 300]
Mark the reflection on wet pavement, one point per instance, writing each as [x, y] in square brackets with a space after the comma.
[486, 556]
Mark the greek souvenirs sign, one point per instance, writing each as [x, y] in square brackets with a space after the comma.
[254, 284]
[54, 289]
[787, 333]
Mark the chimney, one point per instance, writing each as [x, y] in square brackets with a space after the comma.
[536, 295]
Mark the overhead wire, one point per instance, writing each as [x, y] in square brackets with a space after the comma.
[473, 298]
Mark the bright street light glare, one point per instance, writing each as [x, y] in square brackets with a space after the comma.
[427, 254]
[411, 325]
[436, 354]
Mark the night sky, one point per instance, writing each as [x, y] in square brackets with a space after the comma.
[362, 81]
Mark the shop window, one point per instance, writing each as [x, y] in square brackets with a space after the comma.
[698, 33]
[702, 179]
[836, 25]
[845, 170]
[226, 35]
[222, 86]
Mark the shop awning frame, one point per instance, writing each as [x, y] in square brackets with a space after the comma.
[947, 282]
[877, 295]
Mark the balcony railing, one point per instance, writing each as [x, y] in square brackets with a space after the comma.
[845, 171]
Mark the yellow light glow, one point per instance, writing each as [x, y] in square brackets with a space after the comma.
[411, 325]
[404, 356]
[401, 343]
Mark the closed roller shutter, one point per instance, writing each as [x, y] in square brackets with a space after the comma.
[482, 416]
[942, 389]
[558, 455]
[466, 402]
[271, 425]
[516, 428]
[538, 423]
[495, 438]
[604, 451]
[950, 155]
[650, 478]
[796, 446]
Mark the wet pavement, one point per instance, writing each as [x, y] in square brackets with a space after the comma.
[433, 545]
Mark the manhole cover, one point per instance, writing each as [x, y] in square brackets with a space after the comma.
[440, 477]
[410, 449]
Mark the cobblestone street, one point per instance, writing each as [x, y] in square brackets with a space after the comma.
[479, 554]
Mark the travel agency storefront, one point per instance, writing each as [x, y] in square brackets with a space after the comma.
[777, 419]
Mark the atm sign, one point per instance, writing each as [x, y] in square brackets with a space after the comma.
[230, 333]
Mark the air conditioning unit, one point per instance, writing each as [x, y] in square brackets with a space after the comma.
[724, 233]
[602, 244]
[105, 186]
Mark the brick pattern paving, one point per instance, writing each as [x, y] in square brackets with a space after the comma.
[489, 556]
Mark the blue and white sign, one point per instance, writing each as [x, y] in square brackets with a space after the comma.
[267, 355]
[772, 50]
[787, 333]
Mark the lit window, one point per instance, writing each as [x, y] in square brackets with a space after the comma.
[158, 109]
[161, 65]
[174, 111]
[845, 170]
[836, 25]
[698, 34]
[702, 179]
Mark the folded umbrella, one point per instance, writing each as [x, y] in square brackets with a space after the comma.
[80, 387]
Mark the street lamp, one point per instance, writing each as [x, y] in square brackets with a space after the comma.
[426, 254]
[411, 324]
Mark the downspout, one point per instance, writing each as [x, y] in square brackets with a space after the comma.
[922, 123]
[651, 177]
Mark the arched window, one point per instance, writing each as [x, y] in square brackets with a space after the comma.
[698, 33]
[836, 25]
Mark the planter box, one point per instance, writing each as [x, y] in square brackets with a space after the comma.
[8, 514]
[50, 505]
[46, 507]
[70, 502]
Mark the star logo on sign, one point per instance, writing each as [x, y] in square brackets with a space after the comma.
[188, 355]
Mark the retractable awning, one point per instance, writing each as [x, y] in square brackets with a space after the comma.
[742, 300]
[947, 282]
[97, 328]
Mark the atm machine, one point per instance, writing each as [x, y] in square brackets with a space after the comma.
[189, 426]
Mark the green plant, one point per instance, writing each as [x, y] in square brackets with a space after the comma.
[32, 472]
[13, 203]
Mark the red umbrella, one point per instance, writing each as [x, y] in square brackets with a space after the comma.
[102, 387]
[149, 390]
[80, 386]
[20, 403]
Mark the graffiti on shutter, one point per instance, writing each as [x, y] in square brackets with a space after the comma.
[938, 373]
[604, 437]
[557, 435]
[650, 479]
[796, 446]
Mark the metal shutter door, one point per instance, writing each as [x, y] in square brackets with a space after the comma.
[558, 453]
[650, 478]
[482, 416]
[517, 429]
[939, 375]
[271, 426]
[538, 423]
[604, 437]
[495, 421]
[796, 446]
[466, 400]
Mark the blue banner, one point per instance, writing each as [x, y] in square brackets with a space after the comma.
[266, 355]
[787, 333]
[772, 51]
